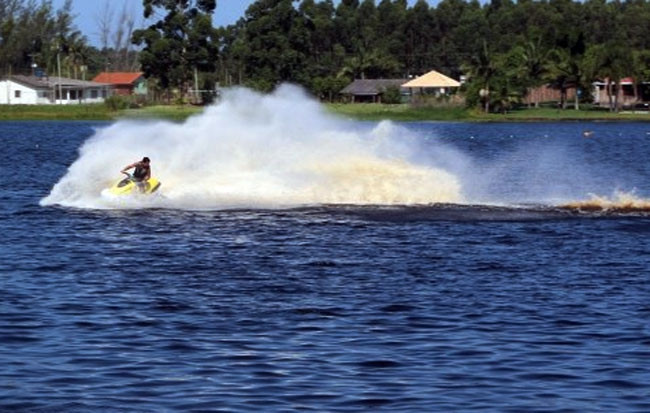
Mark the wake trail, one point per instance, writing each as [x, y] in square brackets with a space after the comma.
[283, 150]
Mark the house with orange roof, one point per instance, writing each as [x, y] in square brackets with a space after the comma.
[124, 83]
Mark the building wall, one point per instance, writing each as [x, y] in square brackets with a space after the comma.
[13, 93]
[547, 94]
[82, 96]
[140, 87]
[122, 90]
[627, 96]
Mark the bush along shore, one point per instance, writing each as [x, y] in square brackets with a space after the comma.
[359, 111]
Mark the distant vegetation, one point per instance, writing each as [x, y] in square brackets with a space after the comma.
[56, 112]
[503, 47]
[369, 112]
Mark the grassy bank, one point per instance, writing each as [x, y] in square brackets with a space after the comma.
[169, 112]
[405, 112]
[402, 112]
[371, 112]
[55, 112]
[94, 112]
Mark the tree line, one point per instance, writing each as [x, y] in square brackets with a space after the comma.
[35, 37]
[503, 47]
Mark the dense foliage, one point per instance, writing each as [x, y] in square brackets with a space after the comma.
[35, 37]
[180, 44]
[32, 33]
[501, 47]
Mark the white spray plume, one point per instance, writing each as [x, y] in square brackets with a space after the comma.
[253, 151]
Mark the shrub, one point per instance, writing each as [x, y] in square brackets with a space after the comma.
[117, 102]
[441, 101]
[392, 95]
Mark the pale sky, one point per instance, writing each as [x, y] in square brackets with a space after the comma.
[86, 12]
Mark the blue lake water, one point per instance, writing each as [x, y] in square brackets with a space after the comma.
[506, 302]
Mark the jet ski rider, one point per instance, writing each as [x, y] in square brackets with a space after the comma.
[141, 173]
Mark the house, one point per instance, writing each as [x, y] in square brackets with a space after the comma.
[431, 82]
[34, 90]
[630, 95]
[548, 93]
[124, 83]
[371, 90]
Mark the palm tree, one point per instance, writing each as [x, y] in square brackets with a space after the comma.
[481, 70]
[641, 68]
[611, 61]
[76, 50]
[567, 69]
[533, 60]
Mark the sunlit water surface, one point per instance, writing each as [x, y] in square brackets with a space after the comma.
[498, 298]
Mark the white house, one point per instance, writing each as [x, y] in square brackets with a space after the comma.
[33, 90]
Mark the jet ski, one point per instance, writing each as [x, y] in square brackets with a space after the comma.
[129, 185]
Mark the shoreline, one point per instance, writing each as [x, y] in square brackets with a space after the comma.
[361, 111]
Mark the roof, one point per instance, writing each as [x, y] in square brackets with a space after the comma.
[118, 78]
[46, 82]
[371, 87]
[624, 81]
[432, 79]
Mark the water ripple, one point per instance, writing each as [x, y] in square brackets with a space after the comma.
[324, 308]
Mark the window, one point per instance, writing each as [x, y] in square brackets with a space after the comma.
[93, 94]
[17, 94]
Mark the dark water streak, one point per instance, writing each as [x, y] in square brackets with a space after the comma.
[438, 308]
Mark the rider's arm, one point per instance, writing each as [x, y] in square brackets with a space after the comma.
[126, 168]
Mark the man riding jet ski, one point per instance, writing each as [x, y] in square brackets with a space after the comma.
[140, 179]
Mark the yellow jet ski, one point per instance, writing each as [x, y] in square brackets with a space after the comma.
[129, 185]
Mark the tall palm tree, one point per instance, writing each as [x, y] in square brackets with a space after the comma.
[611, 61]
[533, 59]
[567, 69]
[481, 70]
[76, 50]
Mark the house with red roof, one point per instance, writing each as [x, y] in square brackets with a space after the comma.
[124, 83]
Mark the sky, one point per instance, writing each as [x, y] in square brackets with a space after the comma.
[86, 12]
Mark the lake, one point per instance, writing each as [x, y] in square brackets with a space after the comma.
[522, 284]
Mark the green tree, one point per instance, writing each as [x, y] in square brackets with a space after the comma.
[567, 68]
[482, 70]
[319, 21]
[611, 61]
[419, 40]
[32, 33]
[277, 39]
[449, 50]
[532, 61]
[322, 40]
[76, 53]
[180, 44]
